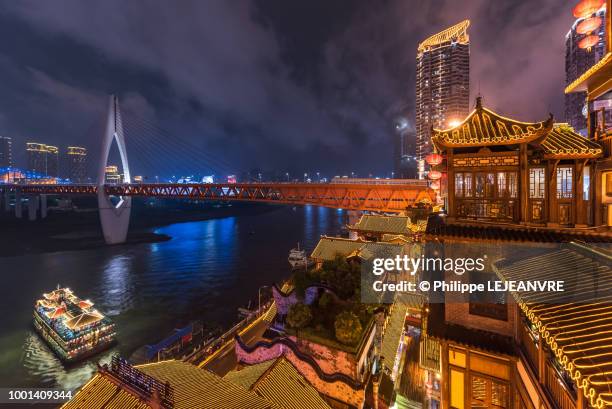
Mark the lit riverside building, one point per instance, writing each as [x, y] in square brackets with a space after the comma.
[6, 156]
[577, 62]
[77, 163]
[42, 159]
[442, 84]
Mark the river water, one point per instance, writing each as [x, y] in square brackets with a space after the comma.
[206, 271]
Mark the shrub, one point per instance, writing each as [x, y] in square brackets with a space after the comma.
[348, 328]
[299, 315]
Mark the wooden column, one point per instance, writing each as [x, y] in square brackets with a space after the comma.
[580, 213]
[445, 390]
[450, 183]
[552, 207]
[597, 195]
[523, 184]
[541, 361]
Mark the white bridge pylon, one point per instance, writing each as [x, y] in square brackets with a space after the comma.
[114, 218]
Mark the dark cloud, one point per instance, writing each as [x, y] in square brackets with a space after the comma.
[269, 84]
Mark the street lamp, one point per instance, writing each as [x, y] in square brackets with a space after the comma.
[259, 299]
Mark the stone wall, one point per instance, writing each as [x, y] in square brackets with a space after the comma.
[328, 361]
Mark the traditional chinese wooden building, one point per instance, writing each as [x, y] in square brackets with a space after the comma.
[501, 170]
[596, 82]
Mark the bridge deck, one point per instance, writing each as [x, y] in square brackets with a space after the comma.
[373, 197]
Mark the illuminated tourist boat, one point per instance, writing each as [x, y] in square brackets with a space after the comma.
[72, 327]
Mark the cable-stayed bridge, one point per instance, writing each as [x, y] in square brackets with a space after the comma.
[115, 214]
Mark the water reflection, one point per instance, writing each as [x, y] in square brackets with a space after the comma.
[117, 292]
[206, 271]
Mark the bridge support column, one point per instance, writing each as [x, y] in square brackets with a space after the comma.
[7, 202]
[114, 218]
[32, 207]
[43, 206]
[18, 205]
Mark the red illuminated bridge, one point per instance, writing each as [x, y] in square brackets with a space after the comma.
[390, 198]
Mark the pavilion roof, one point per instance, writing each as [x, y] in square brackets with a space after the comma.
[596, 80]
[383, 224]
[193, 388]
[329, 248]
[280, 383]
[563, 141]
[483, 127]
[576, 328]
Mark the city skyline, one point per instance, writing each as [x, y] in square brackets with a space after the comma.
[309, 88]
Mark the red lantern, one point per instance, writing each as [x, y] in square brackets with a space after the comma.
[434, 175]
[588, 42]
[435, 185]
[587, 7]
[433, 159]
[589, 25]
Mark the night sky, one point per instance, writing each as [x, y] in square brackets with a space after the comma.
[272, 84]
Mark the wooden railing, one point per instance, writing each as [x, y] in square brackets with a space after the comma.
[529, 346]
[558, 389]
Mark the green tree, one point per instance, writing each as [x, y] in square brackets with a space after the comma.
[299, 315]
[348, 328]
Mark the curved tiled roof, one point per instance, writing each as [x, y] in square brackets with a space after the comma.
[458, 32]
[577, 327]
[284, 386]
[562, 141]
[483, 127]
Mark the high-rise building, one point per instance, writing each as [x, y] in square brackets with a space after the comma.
[6, 152]
[43, 159]
[442, 85]
[404, 164]
[111, 174]
[77, 163]
[577, 62]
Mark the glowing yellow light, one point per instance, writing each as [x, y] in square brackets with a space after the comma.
[453, 123]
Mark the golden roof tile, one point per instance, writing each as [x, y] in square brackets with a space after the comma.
[578, 332]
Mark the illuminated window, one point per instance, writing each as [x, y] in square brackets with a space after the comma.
[457, 400]
[490, 185]
[487, 393]
[502, 188]
[506, 184]
[512, 184]
[586, 183]
[467, 181]
[536, 183]
[480, 185]
[459, 185]
[564, 182]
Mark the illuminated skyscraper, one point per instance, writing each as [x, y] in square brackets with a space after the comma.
[577, 62]
[404, 164]
[111, 175]
[442, 84]
[6, 152]
[43, 159]
[77, 163]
